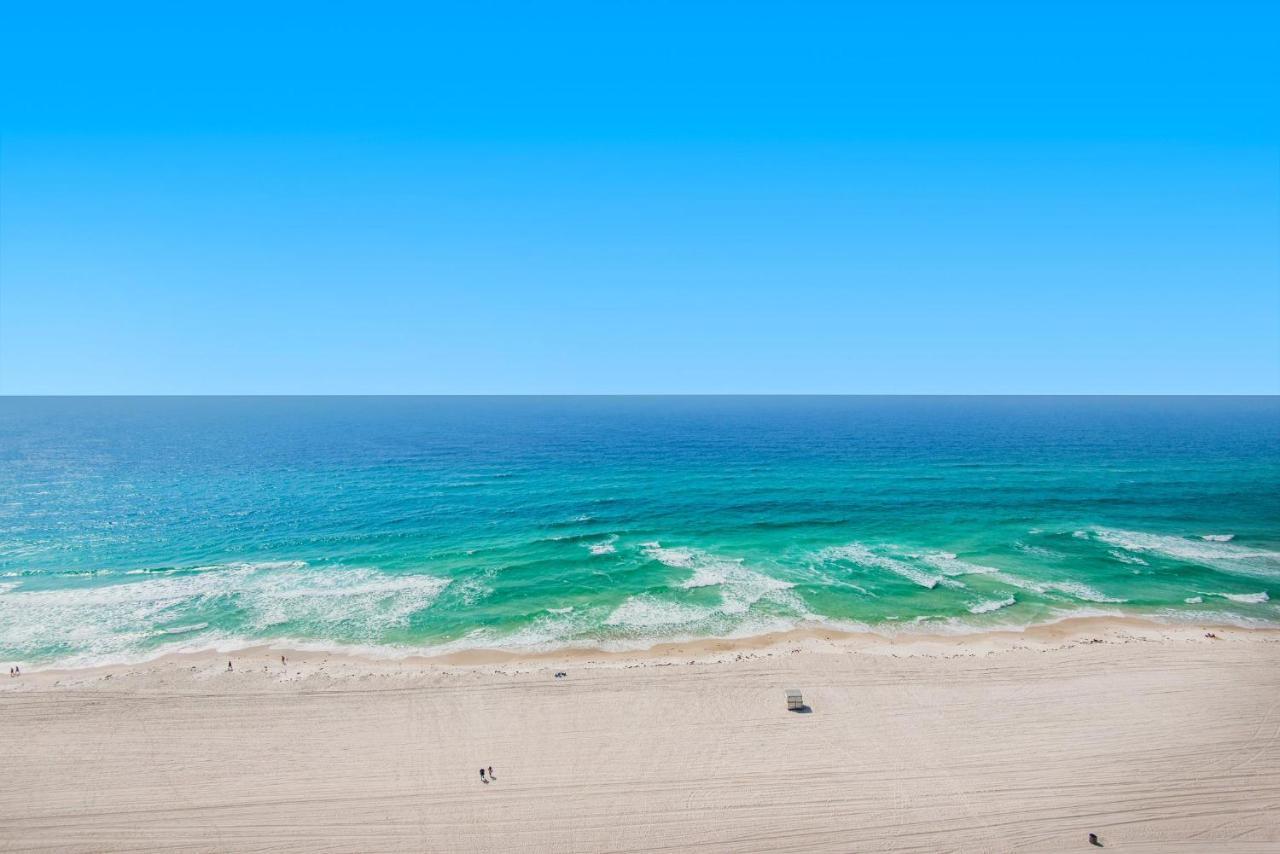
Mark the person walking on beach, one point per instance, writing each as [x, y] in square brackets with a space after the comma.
[491, 777]
[482, 777]
[228, 666]
[282, 664]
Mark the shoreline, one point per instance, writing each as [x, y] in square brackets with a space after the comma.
[337, 661]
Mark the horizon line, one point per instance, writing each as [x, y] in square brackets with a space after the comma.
[77, 395]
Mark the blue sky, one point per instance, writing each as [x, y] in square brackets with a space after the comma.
[640, 197]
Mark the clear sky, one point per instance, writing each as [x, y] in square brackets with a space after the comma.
[640, 197]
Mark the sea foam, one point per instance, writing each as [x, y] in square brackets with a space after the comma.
[647, 612]
[110, 622]
[991, 605]
[1210, 550]
[1247, 598]
[739, 587]
[861, 555]
[604, 547]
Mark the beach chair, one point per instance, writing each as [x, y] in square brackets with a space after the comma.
[795, 702]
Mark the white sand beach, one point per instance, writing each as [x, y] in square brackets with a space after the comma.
[1156, 738]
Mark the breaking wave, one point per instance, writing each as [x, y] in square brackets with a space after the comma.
[860, 555]
[603, 548]
[110, 622]
[1211, 550]
[1247, 598]
[991, 605]
[740, 588]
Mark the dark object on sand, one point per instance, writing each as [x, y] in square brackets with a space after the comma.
[1093, 840]
[560, 674]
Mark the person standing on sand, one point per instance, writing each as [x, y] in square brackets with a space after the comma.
[228, 666]
[491, 777]
[482, 778]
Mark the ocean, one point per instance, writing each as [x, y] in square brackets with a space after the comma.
[131, 527]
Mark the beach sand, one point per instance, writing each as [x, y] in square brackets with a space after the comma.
[1154, 737]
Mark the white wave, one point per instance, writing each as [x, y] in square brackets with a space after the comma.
[991, 605]
[1218, 538]
[359, 602]
[558, 628]
[1127, 558]
[740, 587]
[1037, 551]
[1074, 589]
[532, 637]
[1217, 554]
[266, 566]
[6, 586]
[859, 554]
[938, 625]
[647, 612]
[948, 564]
[680, 558]
[818, 575]
[1194, 600]
[1081, 591]
[1247, 598]
[638, 623]
[109, 622]
[182, 630]
[213, 567]
[474, 589]
[604, 547]
[704, 576]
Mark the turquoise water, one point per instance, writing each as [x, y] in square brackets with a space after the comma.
[130, 527]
